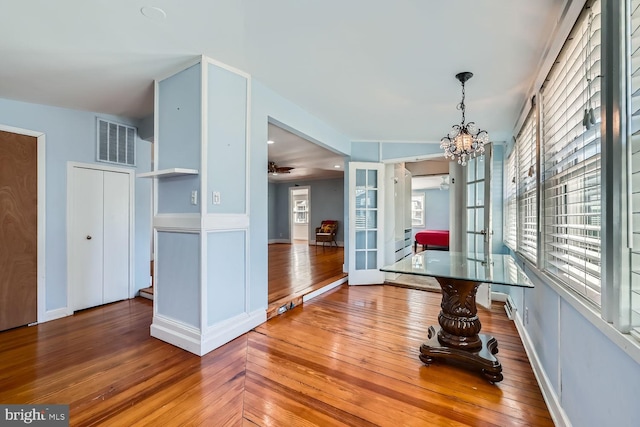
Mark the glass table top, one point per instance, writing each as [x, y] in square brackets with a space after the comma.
[493, 268]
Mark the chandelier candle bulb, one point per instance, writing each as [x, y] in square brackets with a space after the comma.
[464, 141]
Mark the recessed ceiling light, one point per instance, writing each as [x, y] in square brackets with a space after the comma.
[153, 13]
[270, 142]
[336, 166]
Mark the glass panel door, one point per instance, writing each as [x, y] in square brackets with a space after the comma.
[366, 216]
[479, 229]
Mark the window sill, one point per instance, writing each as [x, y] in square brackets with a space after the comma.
[624, 341]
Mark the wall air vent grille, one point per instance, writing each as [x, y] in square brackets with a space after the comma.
[116, 143]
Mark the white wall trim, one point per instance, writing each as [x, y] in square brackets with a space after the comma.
[215, 222]
[272, 241]
[177, 222]
[499, 296]
[225, 67]
[176, 333]
[324, 289]
[229, 329]
[190, 339]
[172, 72]
[70, 221]
[204, 189]
[558, 414]
[41, 301]
[58, 313]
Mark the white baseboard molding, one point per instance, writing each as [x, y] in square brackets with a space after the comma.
[558, 414]
[223, 332]
[499, 296]
[324, 289]
[176, 333]
[190, 339]
[58, 313]
[313, 243]
[272, 241]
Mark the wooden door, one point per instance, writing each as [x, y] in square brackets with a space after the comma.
[18, 230]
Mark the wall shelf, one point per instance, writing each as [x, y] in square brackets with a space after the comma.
[168, 173]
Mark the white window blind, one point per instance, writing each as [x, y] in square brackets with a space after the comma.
[510, 203]
[526, 178]
[571, 160]
[634, 146]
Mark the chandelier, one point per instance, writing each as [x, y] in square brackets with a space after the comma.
[464, 141]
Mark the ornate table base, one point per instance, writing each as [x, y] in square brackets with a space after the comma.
[458, 337]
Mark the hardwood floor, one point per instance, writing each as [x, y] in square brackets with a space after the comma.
[348, 357]
[298, 269]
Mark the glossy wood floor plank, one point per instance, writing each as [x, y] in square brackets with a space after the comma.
[296, 269]
[346, 358]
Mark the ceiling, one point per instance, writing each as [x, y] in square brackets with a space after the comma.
[309, 160]
[375, 70]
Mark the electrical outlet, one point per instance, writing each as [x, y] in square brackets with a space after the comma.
[194, 197]
[216, 197]
[526, 315]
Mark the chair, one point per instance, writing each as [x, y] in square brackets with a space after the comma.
[327, 232]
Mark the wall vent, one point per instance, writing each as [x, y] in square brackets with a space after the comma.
[116, 143]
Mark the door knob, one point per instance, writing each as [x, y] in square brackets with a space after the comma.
[88, 237]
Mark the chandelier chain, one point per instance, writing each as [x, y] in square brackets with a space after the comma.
[461, 106]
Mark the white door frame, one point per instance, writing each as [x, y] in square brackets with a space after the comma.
[290, 212]
[42, 220]
[70, 222]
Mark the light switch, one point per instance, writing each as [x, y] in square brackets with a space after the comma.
[194, 197]
[216, 197]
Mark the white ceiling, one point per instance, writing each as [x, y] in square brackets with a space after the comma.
[310, 161]
[373, 69]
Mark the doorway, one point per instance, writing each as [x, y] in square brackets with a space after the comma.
[18, 230]
[299, 207]
[306, 186]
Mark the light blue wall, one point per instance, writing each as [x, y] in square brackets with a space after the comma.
[71, 136]
[178, 139]
[178, 277]
[266, 106]
[327, 202]
[226, 166]
[225, 275]
[400, 150]
[273, 202]
[436, 209]
[595, 381]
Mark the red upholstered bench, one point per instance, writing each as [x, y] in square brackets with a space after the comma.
[436, 238]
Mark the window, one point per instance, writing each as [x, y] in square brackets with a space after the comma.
[633, 178]
[417, 210]
[510, 202]
[526, 181]
[570, 158]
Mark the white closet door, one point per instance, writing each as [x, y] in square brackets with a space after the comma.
[87, 238]
[116, 236]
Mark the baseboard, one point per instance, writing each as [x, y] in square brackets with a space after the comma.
[223, 332]
[272, 241]
[548, 393]
[190, 339]
[324, 289]
[58, 313]
[176, 333]
[499, 296]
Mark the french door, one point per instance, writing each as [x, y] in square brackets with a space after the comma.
[479, 227]
[366, 219]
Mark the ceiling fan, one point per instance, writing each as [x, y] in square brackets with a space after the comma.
[275, 169]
